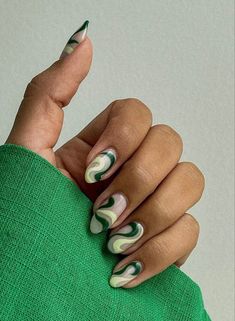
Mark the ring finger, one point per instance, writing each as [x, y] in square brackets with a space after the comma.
[179, 191]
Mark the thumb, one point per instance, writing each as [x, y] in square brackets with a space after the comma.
[40, 117]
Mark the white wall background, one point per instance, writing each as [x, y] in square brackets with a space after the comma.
[177, 57]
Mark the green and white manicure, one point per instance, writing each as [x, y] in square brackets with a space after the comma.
[100, 165]
[124, 275]
[125, 237]
[107, 213]
[75, 39]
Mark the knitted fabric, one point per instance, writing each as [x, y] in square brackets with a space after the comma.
[53, 269]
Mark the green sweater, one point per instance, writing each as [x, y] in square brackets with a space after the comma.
[53, 269]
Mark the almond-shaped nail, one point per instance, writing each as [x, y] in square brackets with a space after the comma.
[100, 165]
[75, 39]
[125, 274]
[125, 237]
[107, 213]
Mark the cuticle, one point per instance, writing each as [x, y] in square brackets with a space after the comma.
[141, 223]
[102, 150]
[142, 265]
[135, 260]
[95, 207]
[115, 151]
[126, 198]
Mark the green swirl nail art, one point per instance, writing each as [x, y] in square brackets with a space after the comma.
[75, 39]
[125, 237]
[107, 213]
[125, 274]
[100, 165]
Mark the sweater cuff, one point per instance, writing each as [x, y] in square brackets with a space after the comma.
[53, 268]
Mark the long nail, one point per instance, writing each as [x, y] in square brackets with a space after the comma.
[100, 165]
[124, 275]
[107, 213]
[125, 237]
[75, 39]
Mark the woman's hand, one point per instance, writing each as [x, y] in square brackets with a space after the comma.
[128, 166]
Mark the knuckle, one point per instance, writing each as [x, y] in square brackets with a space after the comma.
[170, 135]
[191, 170]
[37, 79]
[132, 105]
[39, 86]
[115, 103]
[140, 175]
[192, 226]
[162, 208]
[127, 133]
[36, 86]
[160, 247]
[130, 101]
[33, 86]
[40, 80]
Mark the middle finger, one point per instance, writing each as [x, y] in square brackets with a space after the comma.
[138, 178]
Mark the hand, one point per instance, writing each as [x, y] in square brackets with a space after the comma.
[141, 191]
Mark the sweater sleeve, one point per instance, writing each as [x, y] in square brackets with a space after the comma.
[53, 269]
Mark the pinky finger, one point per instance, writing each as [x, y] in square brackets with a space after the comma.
[182, 260]
[169, 247]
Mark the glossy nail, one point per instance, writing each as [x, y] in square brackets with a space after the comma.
[107, 213]
[125, 274]
[125, 237]
[100, 165]
[75, 39]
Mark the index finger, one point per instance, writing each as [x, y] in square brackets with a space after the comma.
[128, 122]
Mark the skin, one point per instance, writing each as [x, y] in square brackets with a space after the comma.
[159, 189]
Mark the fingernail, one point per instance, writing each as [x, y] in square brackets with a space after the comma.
[125, 274]
[107, 213]
[100, 165]
[75, 39]
[125, 237]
